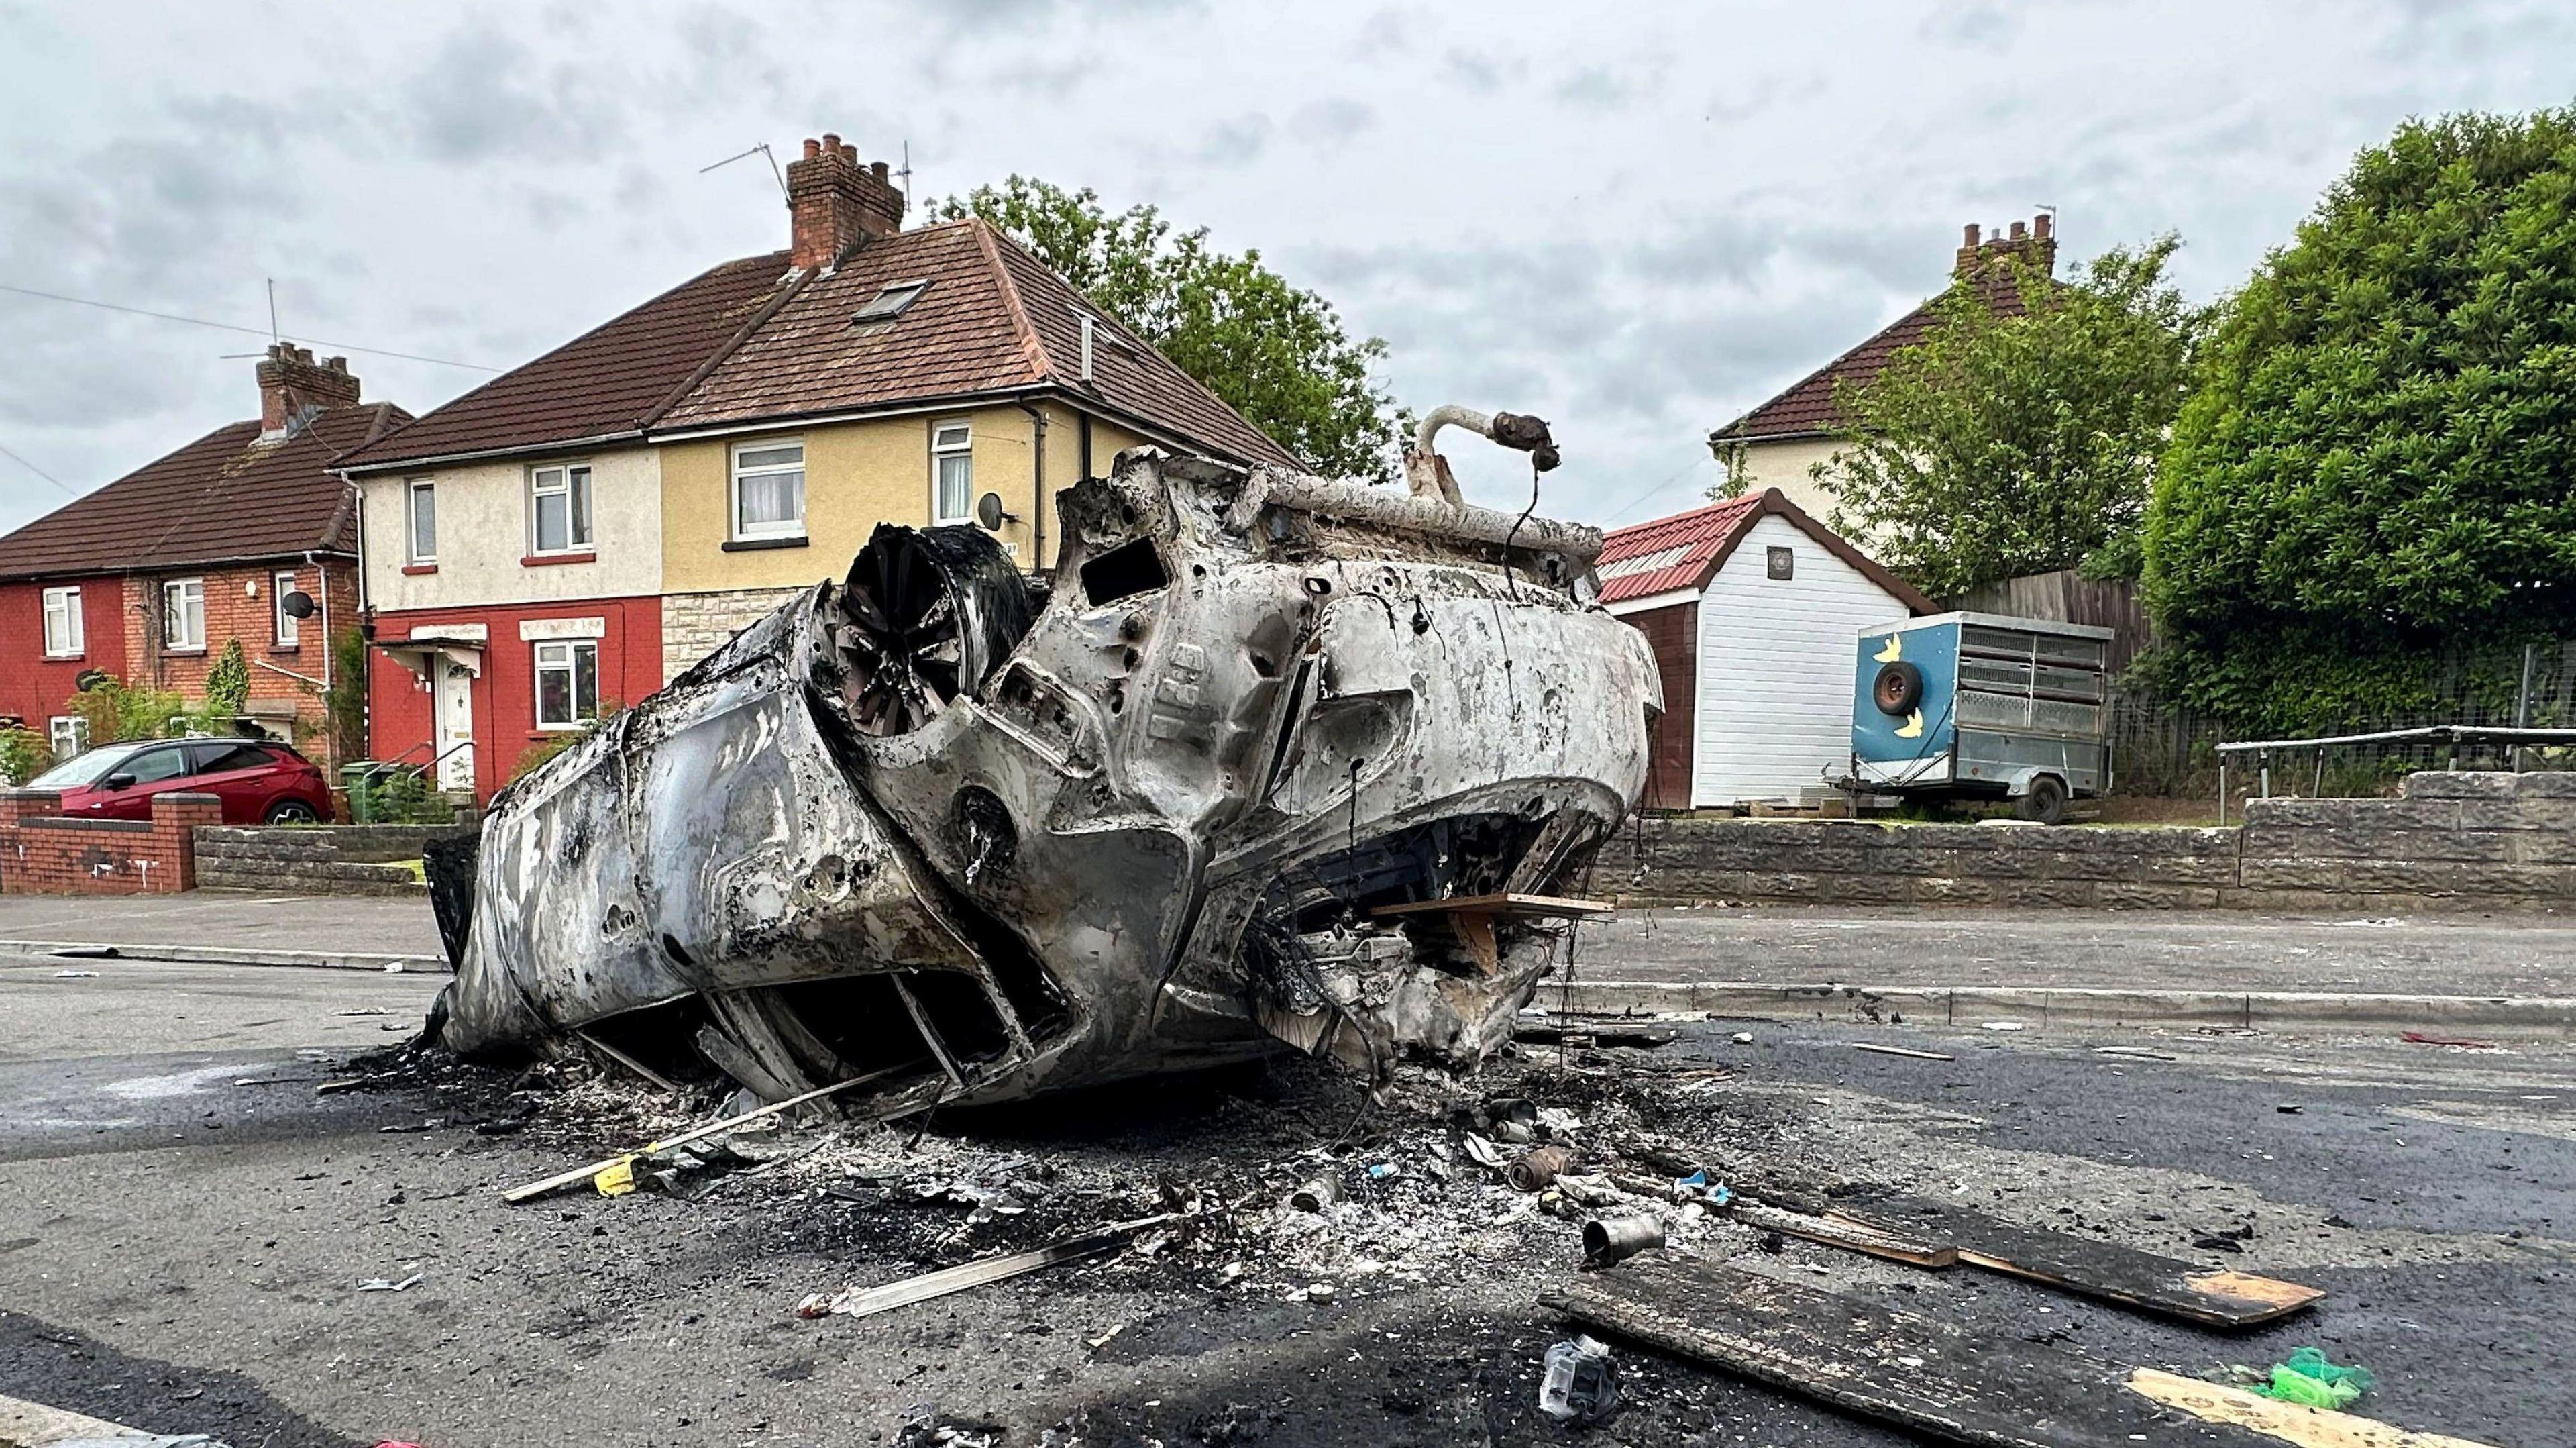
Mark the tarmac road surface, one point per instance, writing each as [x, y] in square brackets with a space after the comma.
[183, 1225]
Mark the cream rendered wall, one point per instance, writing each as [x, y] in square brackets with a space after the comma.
[1784, 465]
[1775, 668]
[483, 534]
[857, 475]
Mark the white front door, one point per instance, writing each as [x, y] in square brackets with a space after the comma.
[453, 704]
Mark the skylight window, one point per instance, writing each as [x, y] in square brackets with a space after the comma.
[887, 305]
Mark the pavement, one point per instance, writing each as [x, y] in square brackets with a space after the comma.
[183, 1224]
[228, 920]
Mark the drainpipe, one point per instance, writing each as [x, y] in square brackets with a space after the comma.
[1037, 482]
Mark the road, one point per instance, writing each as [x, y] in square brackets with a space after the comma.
[184, 1225]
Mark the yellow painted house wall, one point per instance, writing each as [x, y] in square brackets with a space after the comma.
[857, 474]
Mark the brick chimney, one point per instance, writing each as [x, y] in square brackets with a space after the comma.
[834, 202]
[291, 383]
[2035, 242]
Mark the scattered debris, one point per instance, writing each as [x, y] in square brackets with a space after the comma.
[1608, 1241]
[601, 1173]
[2002, 1026]
[387, 1284]
[1849, 1235]
[1581, 1034]
[1316, 1194]
[1742, 1038]
[75, 975]
[2426, 1038]
[1534, 1171]
[2289, 1108]
[868, 1301]
[2310, 1379]
[1878, 1050]
[2140, 1052]
[1581, 1386]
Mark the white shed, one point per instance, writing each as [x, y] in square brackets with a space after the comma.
[1752, 607]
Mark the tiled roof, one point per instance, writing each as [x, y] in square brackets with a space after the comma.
[748, 343]
[227, 495]
[1685, 550]
[1676, 552]
[604, 382]
[1807, 406]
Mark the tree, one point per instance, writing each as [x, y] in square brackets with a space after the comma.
[2017, 440]
[1274, 351]
[118, 712]
[2375, 468]
[228, 682]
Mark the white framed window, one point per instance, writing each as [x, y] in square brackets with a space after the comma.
[422, 519]
[64, 636]
[183, 613]
[559, 509]
[278, 588]
[769, 490]
[567, 683]
[952, 473]
[67, 735]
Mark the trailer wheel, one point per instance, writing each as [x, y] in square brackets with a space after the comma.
[1897, 689]
[2046, 801]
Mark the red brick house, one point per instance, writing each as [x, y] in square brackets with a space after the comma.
[147, 578]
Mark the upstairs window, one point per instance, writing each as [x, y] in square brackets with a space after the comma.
[560, 501]
[769, 490]
[64, 638]
[424, 521]
[183, 613]
[567, 683]
[283, 622]
[952, 473]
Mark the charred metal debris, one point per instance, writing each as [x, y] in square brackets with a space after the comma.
[958, 834]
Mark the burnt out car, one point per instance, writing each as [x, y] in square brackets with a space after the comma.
[1268, 761]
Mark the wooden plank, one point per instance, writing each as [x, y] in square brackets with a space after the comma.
[867, 1302]
[2104, 1270]
[1849, 1235]
[2289, 1422]
[1915, 1372]
[1550, 906]
[581, 1174]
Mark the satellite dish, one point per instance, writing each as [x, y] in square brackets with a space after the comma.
[298, 604]
[988, 511]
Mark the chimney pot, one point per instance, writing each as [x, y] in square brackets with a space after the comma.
[833, 201]
[1968, 235]
[2019, 231]
[2041, 225]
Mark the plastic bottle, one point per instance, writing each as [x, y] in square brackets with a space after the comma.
[1580, 1386]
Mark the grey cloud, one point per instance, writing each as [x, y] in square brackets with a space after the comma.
[1236, 142]
[1481, 72]
[482, 97]
[1594, 88]
[1331, 122]
[1973, 27]
[1387, 32]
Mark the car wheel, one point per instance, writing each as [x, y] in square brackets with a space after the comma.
[291, 812]
[2046, 801]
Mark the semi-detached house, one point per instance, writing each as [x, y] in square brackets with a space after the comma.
[573, 534]
[147, 579]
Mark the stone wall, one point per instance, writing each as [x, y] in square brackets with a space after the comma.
[43, 853]
[338, 860]
[695, 625]
[2458, 840]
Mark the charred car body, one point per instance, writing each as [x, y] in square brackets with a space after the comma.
[972, 835]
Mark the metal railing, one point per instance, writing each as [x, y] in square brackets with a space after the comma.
[2522, 741]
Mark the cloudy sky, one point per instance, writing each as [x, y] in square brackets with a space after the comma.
[1635, 221]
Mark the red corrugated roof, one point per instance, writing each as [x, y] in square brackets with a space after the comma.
[1685, 550]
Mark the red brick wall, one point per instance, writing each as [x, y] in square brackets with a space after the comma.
[1674, 634]
[232, 611]
[35, 687]
[505, 697]
[41, 853]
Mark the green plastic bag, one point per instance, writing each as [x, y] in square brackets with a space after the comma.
[2312, 1381]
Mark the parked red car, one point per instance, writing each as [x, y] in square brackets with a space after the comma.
[259, 781]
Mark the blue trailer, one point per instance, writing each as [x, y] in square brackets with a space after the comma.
[1978, 705]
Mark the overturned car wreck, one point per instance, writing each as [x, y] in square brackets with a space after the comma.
[963, 835]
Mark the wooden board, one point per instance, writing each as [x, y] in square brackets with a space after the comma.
[2211, 1296]
[1552, 906]
[1847, 1234]
[1926, 1375]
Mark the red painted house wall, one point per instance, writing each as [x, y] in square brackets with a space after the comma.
[505, 695]
[35, 687]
